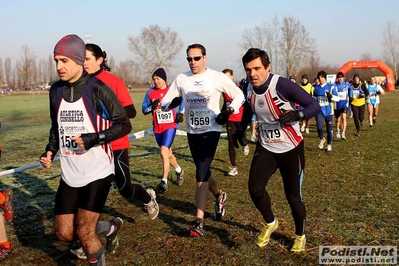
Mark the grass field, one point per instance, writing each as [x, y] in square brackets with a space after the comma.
[350, 194]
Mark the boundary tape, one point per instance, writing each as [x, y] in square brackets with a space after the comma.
[133, 136]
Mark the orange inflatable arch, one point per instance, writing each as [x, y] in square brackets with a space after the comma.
[390, 80]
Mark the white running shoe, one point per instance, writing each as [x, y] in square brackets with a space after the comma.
[245, 150]
[338, 135]
[303, 128]
[329, 147]
[343, 136]
[152, 206]
[79, 253]
[307, 130]
[233, 171]
[253, 138]
[321, 143]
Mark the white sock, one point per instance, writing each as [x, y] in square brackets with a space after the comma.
[272, 223]
[178, 169]
[165, 180]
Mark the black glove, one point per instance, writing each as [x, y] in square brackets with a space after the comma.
[90, 139]
[350, 99]
[329, 95]
[289, 117]
[378, 92]
[175, 102]
[223, 117]
[154, 104]
[179, 118]
[238, 137]
[361, 96]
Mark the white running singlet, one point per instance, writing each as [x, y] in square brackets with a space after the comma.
[80, 167]
[267, 107]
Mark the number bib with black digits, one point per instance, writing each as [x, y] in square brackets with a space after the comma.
[270, 133]
[200, 119]
[342, 95]
[323, 100]
[68, 147]
[164, 117]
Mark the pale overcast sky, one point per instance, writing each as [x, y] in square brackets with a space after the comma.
[343, 29]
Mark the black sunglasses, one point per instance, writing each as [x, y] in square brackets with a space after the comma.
[195, 58]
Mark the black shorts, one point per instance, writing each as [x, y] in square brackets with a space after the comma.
[338, 112]
[203, 147]
[91, 197]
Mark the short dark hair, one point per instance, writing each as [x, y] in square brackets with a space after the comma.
[322, 74]
[254, 53]
[197, 45]
[227, 70]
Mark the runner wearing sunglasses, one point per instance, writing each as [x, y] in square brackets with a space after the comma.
[200, 89]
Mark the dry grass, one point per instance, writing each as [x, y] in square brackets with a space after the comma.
[351, 197]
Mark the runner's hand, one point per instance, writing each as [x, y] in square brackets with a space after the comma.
[289, 117]
[175, 102]
[179, 118]
[223, 117]
[154, 104]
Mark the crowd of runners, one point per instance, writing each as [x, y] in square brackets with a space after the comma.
[91, 108]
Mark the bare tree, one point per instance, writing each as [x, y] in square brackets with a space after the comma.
[390, 43]
[296, 45]
[265, 37]
[125, 71]
[155, 47]
[51, 69]
[44, 75]
[112, 64]
[7, 71]
[287, 43]
[2, 80]
[27, 67]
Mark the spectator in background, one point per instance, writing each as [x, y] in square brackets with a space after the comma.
[316, 82]
[309, 89]
[373, 101]
[357, 94]
[164, 127]
[232, 125]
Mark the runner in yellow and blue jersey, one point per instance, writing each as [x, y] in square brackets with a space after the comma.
[357, 94]
[309, 89]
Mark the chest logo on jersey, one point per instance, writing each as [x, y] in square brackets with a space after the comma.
[198, 82]
[260, 102]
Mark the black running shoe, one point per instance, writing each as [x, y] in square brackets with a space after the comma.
[112, 239]
[162, 187]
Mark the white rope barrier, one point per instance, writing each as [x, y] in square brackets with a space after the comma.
[133, 136]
